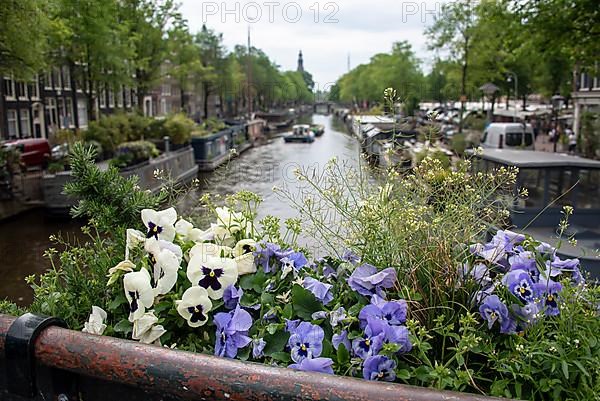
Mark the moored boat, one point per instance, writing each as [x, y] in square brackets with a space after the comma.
[301, 133]
[318, 129]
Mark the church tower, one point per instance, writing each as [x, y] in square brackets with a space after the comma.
[300, 62]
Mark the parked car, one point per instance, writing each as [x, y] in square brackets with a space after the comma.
[34, 152]
[508, 135]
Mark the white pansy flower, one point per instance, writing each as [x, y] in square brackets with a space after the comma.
[95, 323]
[145, 329]
[165, 265]
[139, 293]
[243, 247]
[134, 239]
[212, 273]
[246, 264]
[160, 225]
[188, 232]
[194, 306]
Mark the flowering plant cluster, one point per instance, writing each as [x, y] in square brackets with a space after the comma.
[231, 291]
[517, 280]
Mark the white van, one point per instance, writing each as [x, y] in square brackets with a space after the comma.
[508, 136]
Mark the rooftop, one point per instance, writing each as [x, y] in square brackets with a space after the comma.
[536, 159]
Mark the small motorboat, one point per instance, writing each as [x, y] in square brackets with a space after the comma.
[317, 129]
[300, 133]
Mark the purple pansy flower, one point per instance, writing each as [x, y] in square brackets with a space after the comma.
[520, 284]
[526, 314]
[291, 325]
[258, 347]
[379, 367]
[329, 272]
[232, 296]
[320, 365]
[394, 312]
[337, 316]
[367, 280]
[493, 310]
[567, 267]
[306, 341]
[525, 261]
[232, 332]
[373, 340]
[264, 252]
[550, 296]
[351, 257]
[392, 334]
[319, 315]
[320, 290]
[341, 338]
[480, 273]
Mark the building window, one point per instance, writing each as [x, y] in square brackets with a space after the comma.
[82, 113]
[66, 73]
[61, 113]
[111, 98]
[56, 78]
[166, 89]
[102, 99]
[34, 89]
[9, 84]
[52, 112]
[11, 118]
[163, 107]
[48, 80]
[127, 97]
[120, 97]
[24, 123]
[70, 121]
[22, 90]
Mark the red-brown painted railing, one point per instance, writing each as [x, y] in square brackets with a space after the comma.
[183, 375]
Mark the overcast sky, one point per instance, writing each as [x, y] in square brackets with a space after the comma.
[357, 28]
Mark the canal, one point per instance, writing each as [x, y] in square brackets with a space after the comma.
[24, 239]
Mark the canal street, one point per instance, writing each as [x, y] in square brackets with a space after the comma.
[24, 239]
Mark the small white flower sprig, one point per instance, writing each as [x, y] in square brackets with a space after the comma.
[175, 267]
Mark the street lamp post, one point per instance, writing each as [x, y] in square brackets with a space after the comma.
[509, 79]
[557, 103]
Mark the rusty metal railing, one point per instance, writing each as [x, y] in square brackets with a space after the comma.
[71, 365]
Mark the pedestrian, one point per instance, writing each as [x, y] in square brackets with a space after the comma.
[572, 140]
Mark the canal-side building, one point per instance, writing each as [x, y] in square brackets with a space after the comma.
[39, 108]
[586, 98]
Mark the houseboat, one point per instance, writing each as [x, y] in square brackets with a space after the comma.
[358, 124]
[277, 120]
[554, 180]
[301, 133]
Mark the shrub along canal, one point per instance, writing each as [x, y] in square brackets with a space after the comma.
[24, 239]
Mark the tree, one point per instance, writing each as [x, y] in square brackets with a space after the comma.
[212, 54]
[95, 46]
[23, 53]
[185, 60]
[453, 30]
[148, 22]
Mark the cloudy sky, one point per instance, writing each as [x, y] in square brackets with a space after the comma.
[327, 32]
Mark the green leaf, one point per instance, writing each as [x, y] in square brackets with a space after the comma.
[273, 327]
[565, 369]
[304, 302]
[124, 326]
[403, 374]
[343, 356]
[244, 354]
[281, 357]
[117, 302]
[275, 342]
[288, 311]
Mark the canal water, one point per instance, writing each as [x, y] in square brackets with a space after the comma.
[24, 239]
